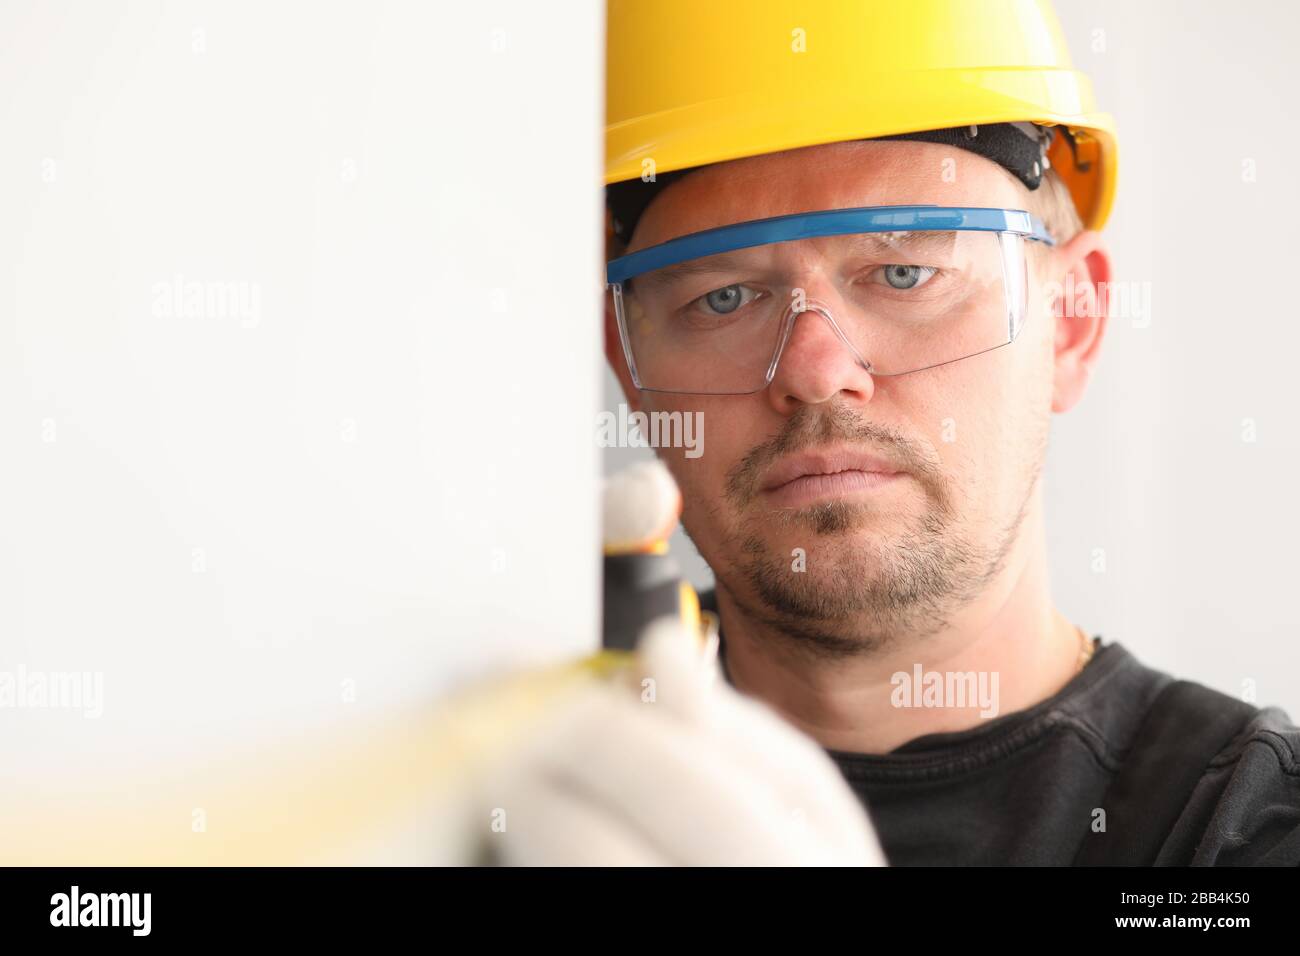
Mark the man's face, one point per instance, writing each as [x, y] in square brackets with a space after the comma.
[881, 556]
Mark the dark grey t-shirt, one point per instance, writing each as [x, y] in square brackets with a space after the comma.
[1022, 788]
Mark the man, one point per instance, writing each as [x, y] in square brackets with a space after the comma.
[817, 239]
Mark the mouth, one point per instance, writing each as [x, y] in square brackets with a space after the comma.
[833, 473]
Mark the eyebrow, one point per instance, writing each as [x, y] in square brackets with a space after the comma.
[911, 239]
[692, 267]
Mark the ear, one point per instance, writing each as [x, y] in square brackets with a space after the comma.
[1079, 283]
[614, 354]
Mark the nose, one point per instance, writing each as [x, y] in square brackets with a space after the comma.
[817, 363]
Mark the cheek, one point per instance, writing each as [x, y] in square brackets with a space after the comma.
[982, 416]
[1016, 409]
[1034, 372]
[723, 434]
[1038, 337]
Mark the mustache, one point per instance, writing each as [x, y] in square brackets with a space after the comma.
[814, 426]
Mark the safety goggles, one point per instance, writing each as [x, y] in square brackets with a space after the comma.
[904, 288]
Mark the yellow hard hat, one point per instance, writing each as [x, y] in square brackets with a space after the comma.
[692, 82]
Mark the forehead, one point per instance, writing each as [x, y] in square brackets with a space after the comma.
[834, 176]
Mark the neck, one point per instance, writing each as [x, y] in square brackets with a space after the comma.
[1019, 648]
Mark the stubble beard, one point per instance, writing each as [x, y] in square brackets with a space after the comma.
[862, 589]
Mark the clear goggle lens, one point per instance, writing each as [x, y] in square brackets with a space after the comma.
[898, 301]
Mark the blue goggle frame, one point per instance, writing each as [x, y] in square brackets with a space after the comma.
[827, 222]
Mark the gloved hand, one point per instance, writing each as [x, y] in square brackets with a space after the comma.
[671, 766]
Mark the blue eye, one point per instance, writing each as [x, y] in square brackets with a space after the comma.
[725, 300]
[907, 277]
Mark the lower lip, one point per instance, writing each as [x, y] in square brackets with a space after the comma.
[811, 488]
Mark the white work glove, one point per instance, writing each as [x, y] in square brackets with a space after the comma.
[700, 776]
